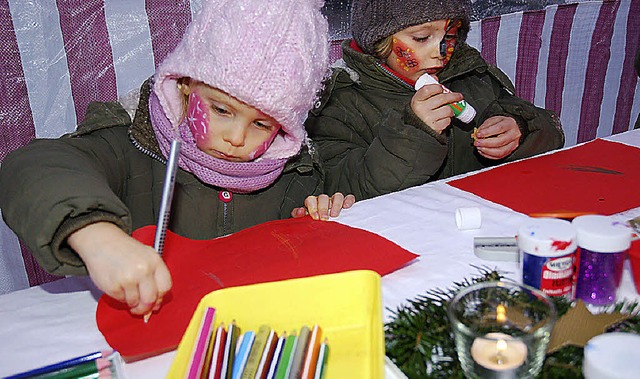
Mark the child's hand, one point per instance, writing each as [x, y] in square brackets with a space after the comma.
[498, 137]
[322, 207]
[430, 104]
[122, 267]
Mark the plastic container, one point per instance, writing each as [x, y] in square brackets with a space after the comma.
[603, 245]
[461, 109]
[612, 356]
[547, 251]
[347, 305]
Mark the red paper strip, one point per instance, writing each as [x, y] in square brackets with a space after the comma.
[272, 251]
[600, 177]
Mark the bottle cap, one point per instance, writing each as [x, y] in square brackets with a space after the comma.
[547, 237]
[468, 218]
[424, 80]
[602, 234]
[612, 356]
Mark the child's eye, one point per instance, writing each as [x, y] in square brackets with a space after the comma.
[220, 110]
[450, 36]
[422, 39]
[263, 125]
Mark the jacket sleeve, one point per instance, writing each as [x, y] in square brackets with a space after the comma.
[367, 151]
[541, 129]
[305, 178]
[53, 187]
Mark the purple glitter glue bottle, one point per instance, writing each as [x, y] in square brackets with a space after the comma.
[603, 245]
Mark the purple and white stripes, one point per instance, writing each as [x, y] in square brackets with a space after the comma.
[575, 59]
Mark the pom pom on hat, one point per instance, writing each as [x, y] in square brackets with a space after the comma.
[272, 55]
[374, 20]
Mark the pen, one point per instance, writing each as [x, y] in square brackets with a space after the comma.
[165, 203]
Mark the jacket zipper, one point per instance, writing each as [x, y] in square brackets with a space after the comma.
[147, 151]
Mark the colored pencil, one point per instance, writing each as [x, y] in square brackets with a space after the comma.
[284, 363]
[198, 355]
[80, 363]
[217, 353]
[242, 354]
[259, 344]
[267, 355]
[165, 202]
[323, 355]
[299, 353]
[311, 358]
[277, 354]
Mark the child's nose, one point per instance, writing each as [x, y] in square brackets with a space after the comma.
[235, 135]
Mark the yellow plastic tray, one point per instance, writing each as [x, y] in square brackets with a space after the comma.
[347, 306]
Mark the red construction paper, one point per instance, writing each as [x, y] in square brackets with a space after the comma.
[272, 251]
[599, 177]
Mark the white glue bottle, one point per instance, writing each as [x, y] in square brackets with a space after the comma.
[461, 109]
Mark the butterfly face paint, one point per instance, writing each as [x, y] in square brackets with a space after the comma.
[405, 56]
[448, 43]
[197, 117]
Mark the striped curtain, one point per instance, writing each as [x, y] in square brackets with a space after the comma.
[576, 59]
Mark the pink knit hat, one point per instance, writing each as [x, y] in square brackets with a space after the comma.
[272, 55]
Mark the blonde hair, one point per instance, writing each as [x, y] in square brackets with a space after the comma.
[383, 48]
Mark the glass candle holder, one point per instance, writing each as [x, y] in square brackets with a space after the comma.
[501, 329]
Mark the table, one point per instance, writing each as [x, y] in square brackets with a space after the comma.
[56, 321]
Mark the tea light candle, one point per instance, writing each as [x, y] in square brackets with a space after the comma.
[499, 352]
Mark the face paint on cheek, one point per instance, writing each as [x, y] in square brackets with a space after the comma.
[197, 117]
[447, 45]
[405, 57]
[264, 146]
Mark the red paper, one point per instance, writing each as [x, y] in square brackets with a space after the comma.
[599, 177]
[272, 251]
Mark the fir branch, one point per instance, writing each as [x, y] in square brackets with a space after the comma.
[420, 342]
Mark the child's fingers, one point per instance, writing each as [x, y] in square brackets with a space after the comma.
[337, 201]
[349, 201]
[311, 203]
[324, 204]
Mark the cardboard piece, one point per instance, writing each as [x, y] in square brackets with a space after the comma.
[599, 177]
[276, 250]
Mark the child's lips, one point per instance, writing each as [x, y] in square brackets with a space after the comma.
[433, 70]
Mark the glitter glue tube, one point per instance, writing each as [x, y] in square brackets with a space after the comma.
[547, 250]
[603, 244]
[461, 109]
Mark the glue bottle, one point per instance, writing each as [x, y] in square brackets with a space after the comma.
[461, 109]
[547, 249]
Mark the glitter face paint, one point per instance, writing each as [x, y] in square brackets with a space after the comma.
[197, 117]
[405, 57]
[447, 45]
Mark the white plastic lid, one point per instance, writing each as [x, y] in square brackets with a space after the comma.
[602, 234]
[612, 356]
[424, 80]
[547, 237]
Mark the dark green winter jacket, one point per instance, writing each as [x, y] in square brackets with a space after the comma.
[372, 142]
[111, 169]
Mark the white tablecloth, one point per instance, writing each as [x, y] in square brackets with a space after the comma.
[56, 321]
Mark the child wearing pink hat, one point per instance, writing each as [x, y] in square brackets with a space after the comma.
[235, 92]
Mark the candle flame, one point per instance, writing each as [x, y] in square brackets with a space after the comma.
[501, 347]
[501, 313]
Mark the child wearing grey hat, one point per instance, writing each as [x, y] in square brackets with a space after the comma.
[377, 134]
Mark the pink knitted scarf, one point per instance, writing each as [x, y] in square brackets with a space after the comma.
[239, 177]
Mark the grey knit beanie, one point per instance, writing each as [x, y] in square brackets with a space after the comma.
[373, 20]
